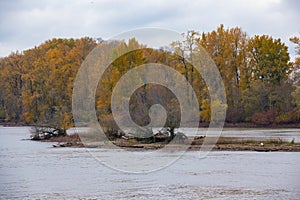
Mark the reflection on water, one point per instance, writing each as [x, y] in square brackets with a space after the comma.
[34, 170]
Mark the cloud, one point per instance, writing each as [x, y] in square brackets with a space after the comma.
[25, 24]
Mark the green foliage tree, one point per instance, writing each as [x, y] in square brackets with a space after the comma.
[269, 59]
[270, 68]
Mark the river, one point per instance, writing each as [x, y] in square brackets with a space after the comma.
[35, 170]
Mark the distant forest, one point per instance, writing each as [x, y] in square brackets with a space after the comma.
[262, 84]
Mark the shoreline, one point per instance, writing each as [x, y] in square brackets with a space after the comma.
[202, 125]
[223, 144]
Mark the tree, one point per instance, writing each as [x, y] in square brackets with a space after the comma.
[270, 89]
[269, 59]
[227, 47]
[296, 96]
[122, 63]
[36, 85]
[205, 113]
[296, 77]
[12, 85]
[261, 97]
[296, 67]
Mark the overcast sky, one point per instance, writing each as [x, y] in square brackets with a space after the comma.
[27, 23]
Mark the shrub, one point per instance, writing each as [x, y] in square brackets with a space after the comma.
[265, 118]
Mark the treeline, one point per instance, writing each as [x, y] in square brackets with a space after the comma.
[261, 83]
[36, 85]
[260, 80]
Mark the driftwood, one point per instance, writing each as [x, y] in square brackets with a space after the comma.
[45, 133]
[166, 135]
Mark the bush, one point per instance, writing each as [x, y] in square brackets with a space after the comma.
[292, 116]
[265, 118]
[113, 133]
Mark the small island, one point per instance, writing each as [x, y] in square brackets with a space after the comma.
[159, 140]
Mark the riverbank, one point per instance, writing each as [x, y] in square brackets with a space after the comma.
[223, 144]
[202, 125]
